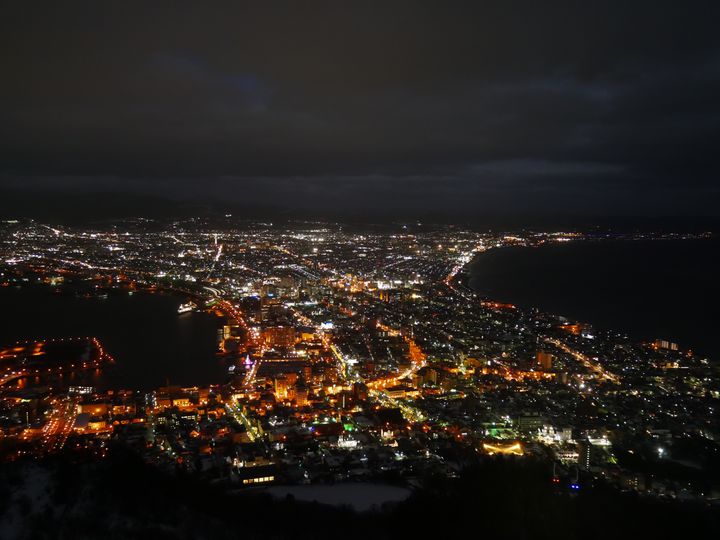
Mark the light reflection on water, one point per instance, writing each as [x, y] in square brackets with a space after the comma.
[151, 344]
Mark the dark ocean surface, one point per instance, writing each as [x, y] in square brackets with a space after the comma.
[150, 342]
[648, 289]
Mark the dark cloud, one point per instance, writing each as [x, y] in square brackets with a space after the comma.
[409, 106]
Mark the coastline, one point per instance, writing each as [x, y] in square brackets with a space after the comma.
[151, 344]
[566, 280]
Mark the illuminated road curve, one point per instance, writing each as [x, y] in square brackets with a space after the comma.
[584, 360]
[103, 357]
[375, 387]
[12, 376]
[236, 412]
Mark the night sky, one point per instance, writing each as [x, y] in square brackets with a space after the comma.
[448, 109]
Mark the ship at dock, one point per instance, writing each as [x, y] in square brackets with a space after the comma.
[184, 308]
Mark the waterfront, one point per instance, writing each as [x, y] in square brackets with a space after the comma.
[150, 342]
[648, 289]
[331, 389]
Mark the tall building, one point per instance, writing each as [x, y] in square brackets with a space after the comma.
[529, 423]
[281, 388]
[545, 360]
[301, 396]
[360, 391]
[664, 344]
[584, 454]
[279, 336]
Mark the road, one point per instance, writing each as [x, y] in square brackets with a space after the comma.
[236, 412]
[584, 359]
[59, 426]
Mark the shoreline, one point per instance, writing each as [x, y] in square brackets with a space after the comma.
[578, 311]
[140, 352]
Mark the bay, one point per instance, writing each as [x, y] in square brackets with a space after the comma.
[152, 345]
[648, 289]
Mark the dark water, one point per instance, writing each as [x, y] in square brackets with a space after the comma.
[150, 342]
[648, 289]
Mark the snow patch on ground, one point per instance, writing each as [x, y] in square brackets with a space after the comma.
[359, 496]
[30, 497]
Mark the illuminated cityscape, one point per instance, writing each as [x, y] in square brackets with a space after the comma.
[350, 356]
[359, 270]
